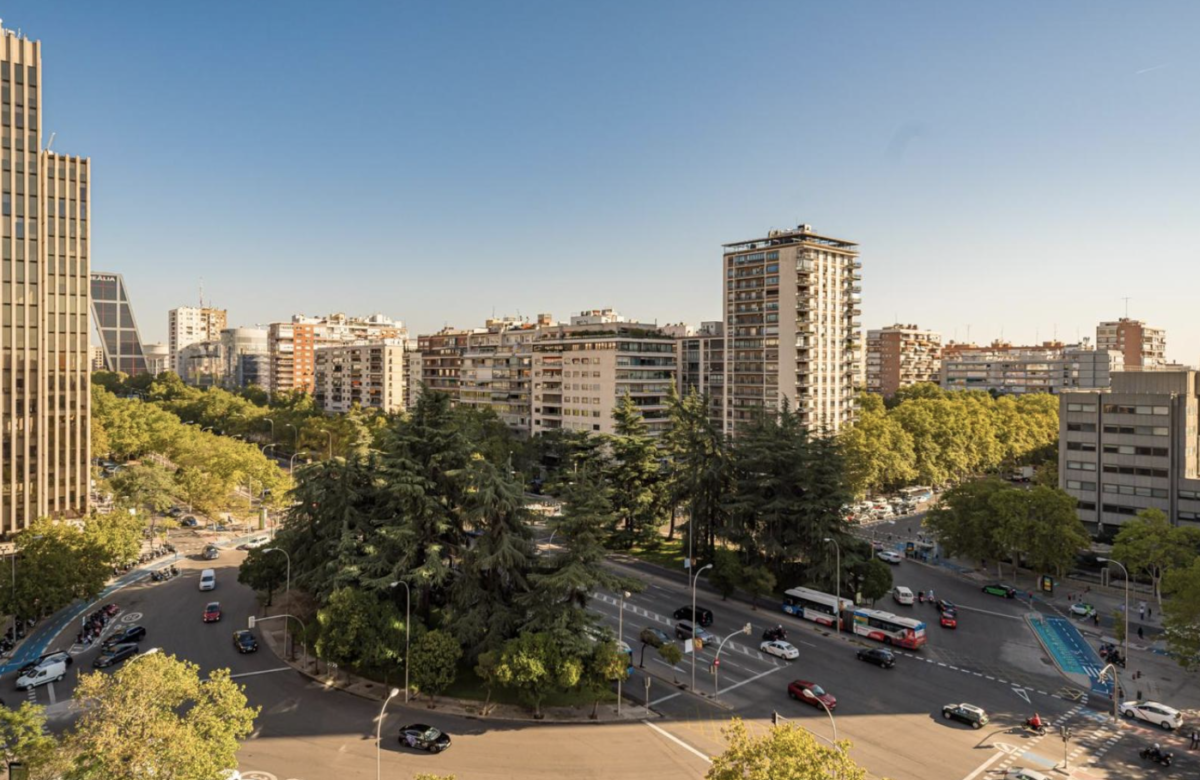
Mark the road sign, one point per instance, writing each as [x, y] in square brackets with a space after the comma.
[687, 645]
[252, 621]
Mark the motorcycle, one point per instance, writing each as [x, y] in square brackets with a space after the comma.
[1039, 729]
[773, 634]
[1156, 755]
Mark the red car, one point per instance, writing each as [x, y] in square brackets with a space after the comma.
[949, 620]
[811, 693]
[212, 613]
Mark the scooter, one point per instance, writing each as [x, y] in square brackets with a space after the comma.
[1040, 729]
[1156, 755]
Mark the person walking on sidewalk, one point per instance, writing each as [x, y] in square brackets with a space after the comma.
[1142, 610]
[1195, 737]
[1141, 633]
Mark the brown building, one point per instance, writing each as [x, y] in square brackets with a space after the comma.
[1142, 346]
[291, 346]
[442, 359]
[902, 355]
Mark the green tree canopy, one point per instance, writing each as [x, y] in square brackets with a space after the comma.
[534, 665]
[1149, 543]
[434, 662]
[1181, 614]
[360, 628]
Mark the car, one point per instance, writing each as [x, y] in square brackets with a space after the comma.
[655, 637]
[948, 619]
[189, 522]
[254, 543]
[884, 659]
[780, 649]
[973, 716]
[418, 735]
[890, 556]
[115, 655]
[811, 693]
[996, 589]
[903, 595]
[46, 659]
[51, 670]
[212, 552]
[946, 606]
[245, 641]
[176, 511]
[212, 612]
[127, 634]
[685, 630]
[704, 616]
[1021, 773]
[1081, 609]
[1160, 715]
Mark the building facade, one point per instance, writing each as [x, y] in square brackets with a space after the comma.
[1005, 369]
[190, 325]
[292, 346]
[158, 357]
[497, 370]
[116, 326]
[442, 359]
[701, 359]
[1140, 345]
[202, 364]
[791, 306]
[46, 232]
[369, 375]
[581, 371]
[1131, 447]
[902, 355]
[244, 351]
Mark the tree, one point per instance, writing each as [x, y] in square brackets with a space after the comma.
[262, 570]
[786, 752]
[59, 563]
[879, 452]
[23, 737]
[1057, 534]
[876, 580]
[534, 664]
[603, 666]
[188, 729]
[1181, 615]
[1150, 543]
[671, 653]
[963, 520]
[757, 581]
[699, 477]
[485, 670]
[634, 476]
[726, 574]
[145, 486]
[434, 662]
[116, 536]
[358, 627]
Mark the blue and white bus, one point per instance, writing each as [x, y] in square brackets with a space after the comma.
[813, 605]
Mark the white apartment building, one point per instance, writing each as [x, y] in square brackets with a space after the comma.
[792, 334]
[370, 374]
[292, 345]
[496, 370]
[1003, 368]
[190, 325]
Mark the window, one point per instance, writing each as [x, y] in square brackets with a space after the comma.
[1082, 427]
[1081, 446]
[1193, 516]
[1081, 466]
[1077, 485]
[1140, 471]
[1125, 409]
[1090, 408]
[1117, 509]
[1089, 506]
[1136, 430]
[1189, 494]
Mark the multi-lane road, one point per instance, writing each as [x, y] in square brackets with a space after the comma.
[892, 717]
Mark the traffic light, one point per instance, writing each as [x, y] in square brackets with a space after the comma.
[774, 718]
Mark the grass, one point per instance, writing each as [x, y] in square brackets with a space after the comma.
[667, 553]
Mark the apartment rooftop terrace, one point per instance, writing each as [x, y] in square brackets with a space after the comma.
[802, 234]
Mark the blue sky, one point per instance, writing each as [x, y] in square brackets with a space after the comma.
[1014, 168]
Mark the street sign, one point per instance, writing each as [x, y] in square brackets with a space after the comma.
[252, 621]
[687, 646]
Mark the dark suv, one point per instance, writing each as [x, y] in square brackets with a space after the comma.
[878, 656]
[655, 637]
[703, 616]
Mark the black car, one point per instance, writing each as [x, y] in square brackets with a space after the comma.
[418, 735]
[973, 716]
[57, 655]
[130, 634]
[245, 642]
[189, 522]
[996, 589]
[884, 659]
[704, 616]
[115, 655]
[655, 637]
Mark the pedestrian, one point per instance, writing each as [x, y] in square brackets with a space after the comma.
[1149, 612]
[1141, 633]
[1142, 611]
[1195, 739]
[1096, 618]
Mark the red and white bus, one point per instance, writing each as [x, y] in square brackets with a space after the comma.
[813, 605]
[888, 628]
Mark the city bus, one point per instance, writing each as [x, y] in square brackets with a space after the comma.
[916, 493]
[888, 628]
[813, 605]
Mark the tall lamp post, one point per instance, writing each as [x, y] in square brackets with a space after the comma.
[620, 638]
[813, 697]
[695, 577]
[837, 609]
[296, 439]
[292, 460]
[407, 629]
[717, 661]
[330, 435]
[287, 590]
[272, 422]
[379, 733]
[1126, 573]
[266, 447]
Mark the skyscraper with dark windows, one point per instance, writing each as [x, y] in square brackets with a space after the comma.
[112, 312]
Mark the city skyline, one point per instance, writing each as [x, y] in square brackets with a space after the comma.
[998, 185]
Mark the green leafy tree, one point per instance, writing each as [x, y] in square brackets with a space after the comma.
[434, 662]
[671, 653]
[757, 581]
[485, 670]
[1181, 615]
[116, 537]
[601, 668]
[1151, 544]
[635, 477]
[24, 738]
[876, 580]
[534, 664]
[726, 574]
[59, 563]
[263, 571]
[359, 628]
[700, 475]
[1057, 534]
[188, 729]
[963, 520]
[786, 752]
[145, 486]
[879, 452]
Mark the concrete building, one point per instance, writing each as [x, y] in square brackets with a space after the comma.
[96, 358]
[190, 325]
[1003, 368]
[116, 326]
[46, 229]
[581, 371]
[369, 374]
[902, 355]
[292, 345]
[791, 303]
[700, 355]
[1130, 447]
[202, 364]
[1141, 345]
[158, 357]
[497, 370]
[442, 359]
[244, 351]
[412, 374]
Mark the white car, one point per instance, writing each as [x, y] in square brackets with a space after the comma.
[779, 648]
[1153, 712]
[1082, 610]
[46, 672]
[1020, 773]
[890, 556]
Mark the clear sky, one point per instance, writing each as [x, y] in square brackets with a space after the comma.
[1013, 168]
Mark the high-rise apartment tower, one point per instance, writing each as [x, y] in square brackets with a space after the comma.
[1142, 346]
[190, 325]
[902, 355]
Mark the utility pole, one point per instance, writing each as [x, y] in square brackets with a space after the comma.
[1066, 738]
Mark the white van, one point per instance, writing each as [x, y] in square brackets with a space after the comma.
[50, 671]
[208, 580]
[902, 595]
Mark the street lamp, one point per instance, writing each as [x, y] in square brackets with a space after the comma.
[407, 629]
[292, 460]
[695, 577]
[717, 661]
[329, 433]
[1126, 573]
[812, 696]
[379, 732]
[837, 608]
[266, 447]
[1116, 685]
[209, 428]
[296, 440]
[287, 591]
[620, 638]
[268, 419]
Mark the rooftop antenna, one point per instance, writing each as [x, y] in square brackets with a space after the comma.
[1126, 307]
[201, 292]
[50, 143]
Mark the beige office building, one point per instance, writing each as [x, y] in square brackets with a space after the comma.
[792, 334]
[190, 325]
[496, 370]
[369, 375]
[581, 370]
[1141, 345]
[901, 355]
[45, 335]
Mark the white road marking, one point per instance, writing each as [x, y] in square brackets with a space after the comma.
[668, 697]
[983, 767]
[749, 680]
[988, 612]
[264, 671]
[1022, 693]
[679, 742]
[664, 663]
